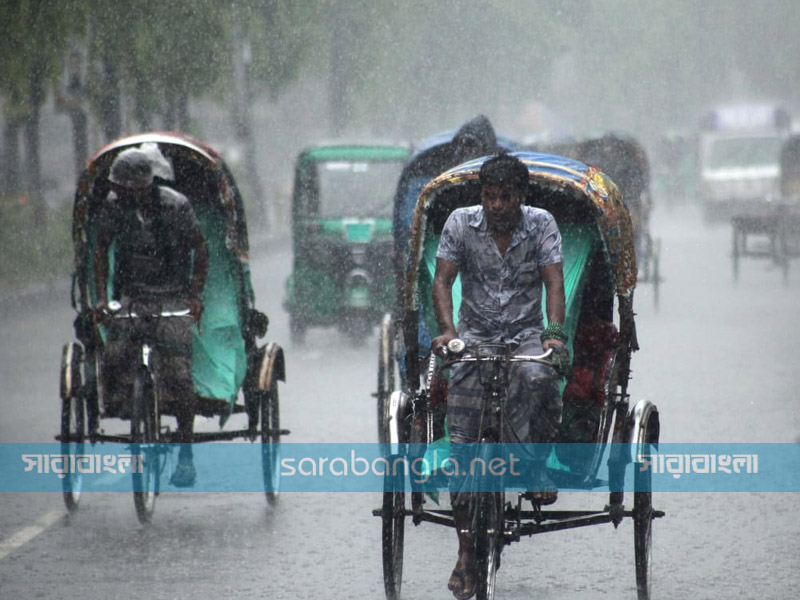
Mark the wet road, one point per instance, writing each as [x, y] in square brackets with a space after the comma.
[717, 358]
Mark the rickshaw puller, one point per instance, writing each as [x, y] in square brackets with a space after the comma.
[504, 251]
[161, 261]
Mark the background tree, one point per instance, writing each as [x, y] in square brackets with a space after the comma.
[25, 79]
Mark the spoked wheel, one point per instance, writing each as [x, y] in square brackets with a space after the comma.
[73, 419]
[144, 437]
[271, 441]
[489, 522]
[642, 530]
[393, 521]
[386, 378]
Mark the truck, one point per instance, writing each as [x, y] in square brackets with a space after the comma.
[739, 153]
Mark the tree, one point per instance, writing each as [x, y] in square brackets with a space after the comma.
[24, 78]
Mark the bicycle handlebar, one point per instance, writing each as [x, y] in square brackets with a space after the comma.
[457, 351]
[115, 311]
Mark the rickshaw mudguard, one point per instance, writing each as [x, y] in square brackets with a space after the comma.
[272, 367]
[643, 427]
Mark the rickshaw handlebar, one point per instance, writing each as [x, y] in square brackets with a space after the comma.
[453, 353]
[115, 311]
[456, 351]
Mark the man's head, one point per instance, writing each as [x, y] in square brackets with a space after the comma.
[474, 138]
[131, 173]
[504, 185]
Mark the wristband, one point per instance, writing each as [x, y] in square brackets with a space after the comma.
[554, 331]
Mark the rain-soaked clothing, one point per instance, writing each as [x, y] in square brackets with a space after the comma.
[152, 270]
[501, 294]
[171, 338]
[152, 256]
[502, 303]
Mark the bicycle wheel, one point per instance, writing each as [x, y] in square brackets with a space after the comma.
[73, 419]
[144, 436]
[642, 530]
[386, 379]
[489, 520]
[393, 527]
[270, 441]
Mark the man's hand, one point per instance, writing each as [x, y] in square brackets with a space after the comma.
[560, 357]
[441, 341]
[196, 309]
[556, 345]
[100, 311]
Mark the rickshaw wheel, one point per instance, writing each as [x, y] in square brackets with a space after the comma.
[386, 376]
[73, 418]
[270, 441]
[642, 530]
[392, 534]
[488, 542]
[144, 436]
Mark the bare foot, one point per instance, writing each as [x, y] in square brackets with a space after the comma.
[462, 579]
[546, 491]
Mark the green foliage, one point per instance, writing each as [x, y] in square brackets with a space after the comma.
[24, 25]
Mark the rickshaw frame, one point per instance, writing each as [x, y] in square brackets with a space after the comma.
[81, 391]
[571, 191]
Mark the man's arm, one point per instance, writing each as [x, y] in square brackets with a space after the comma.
[553, 278]
[443, 280]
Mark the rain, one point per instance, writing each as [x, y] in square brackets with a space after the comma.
[691, 108]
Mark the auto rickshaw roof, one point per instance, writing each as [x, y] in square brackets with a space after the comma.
[580, 184]
[363, 152]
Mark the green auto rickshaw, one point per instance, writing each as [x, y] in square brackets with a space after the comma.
[342, 237]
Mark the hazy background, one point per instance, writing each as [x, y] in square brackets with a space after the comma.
[262, 79]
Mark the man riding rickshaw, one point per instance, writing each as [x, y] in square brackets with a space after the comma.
[437, 403]
[167, 324]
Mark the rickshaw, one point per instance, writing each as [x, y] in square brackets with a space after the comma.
[341, 229]
[599, 265]
[625, 161]
[231, 372]
[773, 222]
